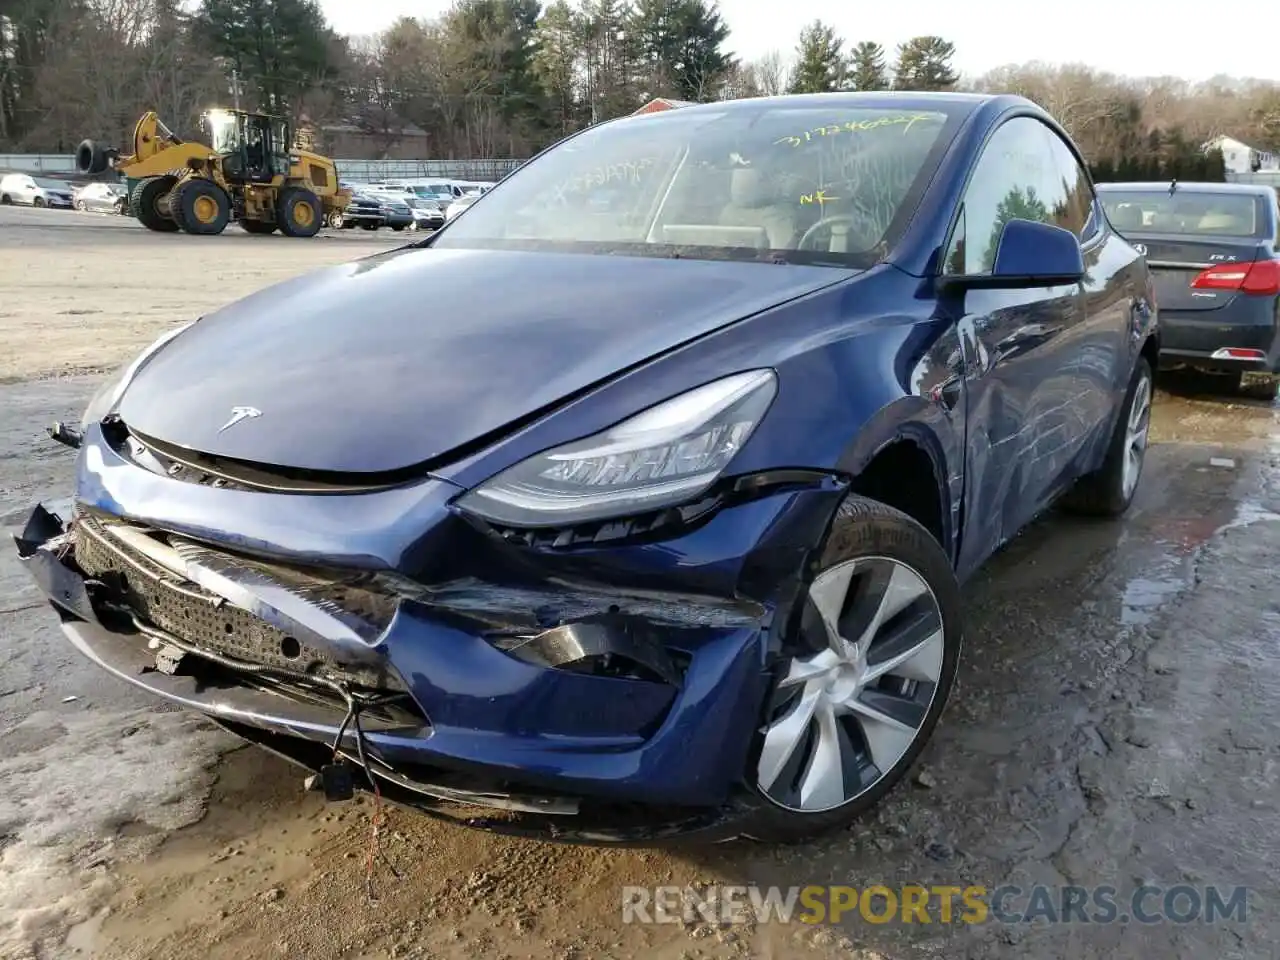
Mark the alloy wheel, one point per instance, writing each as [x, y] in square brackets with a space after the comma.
[1135, 439]
[842, 718]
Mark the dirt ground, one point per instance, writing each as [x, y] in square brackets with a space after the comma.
[1116, 720]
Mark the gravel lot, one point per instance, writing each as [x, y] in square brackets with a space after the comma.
[1116, 721]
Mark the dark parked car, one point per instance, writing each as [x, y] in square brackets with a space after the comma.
[396, 212]
[427, 214]
[363, 211]
[666, 530]
[1214, 251]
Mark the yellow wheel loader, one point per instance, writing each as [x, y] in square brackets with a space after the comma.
[247, 172]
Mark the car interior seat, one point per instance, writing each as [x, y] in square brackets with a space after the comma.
[755, 200]
[1127, 216]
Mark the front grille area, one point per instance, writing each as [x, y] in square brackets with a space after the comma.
[205, 621]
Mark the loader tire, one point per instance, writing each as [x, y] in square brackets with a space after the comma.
[200, 207]
[299, 213]
[91, 158]
[149, 204]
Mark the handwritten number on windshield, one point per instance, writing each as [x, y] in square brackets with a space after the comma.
[905, 121]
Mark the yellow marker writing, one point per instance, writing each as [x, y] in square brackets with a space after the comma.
[906, 121]
[820, 197]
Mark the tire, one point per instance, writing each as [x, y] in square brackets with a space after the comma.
[299, 212]
[1109, 490]
[260, 227]
[335, 220]
[200, 207]
[149, 204]
[872, 551]
[91, 158]
[81, 206]
[6, 201]
[38, 202]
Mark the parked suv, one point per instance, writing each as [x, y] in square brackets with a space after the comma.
[34, 191]
[1214, 253]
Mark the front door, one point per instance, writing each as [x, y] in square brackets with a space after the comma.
[1023, 348]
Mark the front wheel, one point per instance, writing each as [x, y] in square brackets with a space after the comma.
[38, 202]
[299, 213]
[335, 220]
[1109, 490]
[864, 675]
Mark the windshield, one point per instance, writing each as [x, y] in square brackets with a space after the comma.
[432, 191]
[221, 128]
[48, 184]
[1185, 212]
[800, 183]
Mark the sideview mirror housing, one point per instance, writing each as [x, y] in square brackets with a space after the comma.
[1030, 254]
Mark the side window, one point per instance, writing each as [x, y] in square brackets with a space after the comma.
[1016, 178]
[1077, 214]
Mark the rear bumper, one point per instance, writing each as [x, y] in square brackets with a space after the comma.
[1191, 339]
[511, 731]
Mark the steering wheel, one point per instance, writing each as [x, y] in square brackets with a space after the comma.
[826, 223]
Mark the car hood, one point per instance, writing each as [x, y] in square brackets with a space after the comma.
[403, 358]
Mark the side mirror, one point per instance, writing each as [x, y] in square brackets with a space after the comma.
[1030, 254]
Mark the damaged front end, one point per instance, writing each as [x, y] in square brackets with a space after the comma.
[588, 684]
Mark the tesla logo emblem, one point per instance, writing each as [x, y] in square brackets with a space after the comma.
[240, 413]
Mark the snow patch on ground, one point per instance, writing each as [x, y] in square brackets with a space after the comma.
[81, 791]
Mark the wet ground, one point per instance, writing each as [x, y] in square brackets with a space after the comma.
[1116, 723]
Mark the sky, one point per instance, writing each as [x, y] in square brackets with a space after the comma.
[1118, 36]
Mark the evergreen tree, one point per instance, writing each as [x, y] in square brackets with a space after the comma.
[559, 40]
[867, 70]
[279, 47]
[820, 66]
[680, 44]
[924, 63]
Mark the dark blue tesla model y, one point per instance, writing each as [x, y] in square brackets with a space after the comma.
[638, 499]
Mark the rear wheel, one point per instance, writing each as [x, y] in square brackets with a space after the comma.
[865, 675]
[1108, 491]
[6, 200]
[298, 212]
[200, 207]
[149, 204]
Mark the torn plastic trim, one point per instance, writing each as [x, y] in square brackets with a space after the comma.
[599, 643]
[559, 601]
[242, 586]
[594, 824]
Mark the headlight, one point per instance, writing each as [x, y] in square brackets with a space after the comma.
[665, 455]
[109, 394]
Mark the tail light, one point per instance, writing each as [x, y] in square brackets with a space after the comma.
[1261, 277]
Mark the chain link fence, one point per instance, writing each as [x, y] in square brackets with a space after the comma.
[357, 171]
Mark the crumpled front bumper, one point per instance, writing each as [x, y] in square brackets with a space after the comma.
[516, 734]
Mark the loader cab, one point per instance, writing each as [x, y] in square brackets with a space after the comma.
[254, 147]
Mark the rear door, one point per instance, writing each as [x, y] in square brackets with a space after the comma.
[1199, 243]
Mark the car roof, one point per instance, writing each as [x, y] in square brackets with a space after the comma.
[1162, 186]
[877, 99]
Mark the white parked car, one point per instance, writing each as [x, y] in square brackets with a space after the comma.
[102, 198]
[32, 191]
[460, 204]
